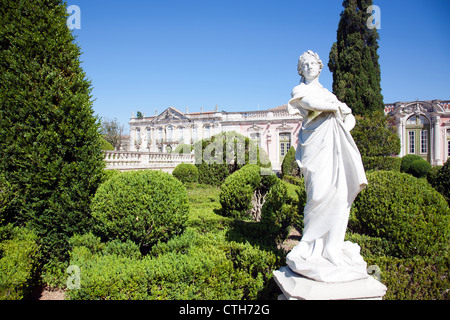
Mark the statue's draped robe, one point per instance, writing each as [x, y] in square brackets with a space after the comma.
[330, 162]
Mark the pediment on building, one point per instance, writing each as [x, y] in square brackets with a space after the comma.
[418, 107]
[255, 127]
[284, 126]
[170, 114]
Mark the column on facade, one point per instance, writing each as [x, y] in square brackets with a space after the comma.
[437, 140]
[400, 124]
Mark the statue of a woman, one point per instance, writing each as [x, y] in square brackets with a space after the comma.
[334, 175]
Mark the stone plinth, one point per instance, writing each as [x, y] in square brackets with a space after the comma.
[296, 287]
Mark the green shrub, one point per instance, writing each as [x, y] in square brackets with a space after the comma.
[407, 161]
[186, 172]
[442, 183]
[237, 191]
[432, 176]
[105, 145]
[19, 254]
[419, 168]
[375, 137]
[222, 154]
[382, 163]
[290, 167]
[143, 206]
[406, 211]
[49, 136]
[417, 278]
[183, 149]
[189, 266]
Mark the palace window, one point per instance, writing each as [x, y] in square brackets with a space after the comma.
[412, 142]
[424, 142]
[207, 131]
[138, 135]
[194, 134]
[148, 136]
[257, 138]
[285, 144]
[418, 136]
[160, 135]
[169, 134]
[448, 142]
[181, 134]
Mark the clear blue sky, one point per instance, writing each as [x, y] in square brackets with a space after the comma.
[148, 55]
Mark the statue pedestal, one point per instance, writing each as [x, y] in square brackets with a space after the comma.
[296, 287]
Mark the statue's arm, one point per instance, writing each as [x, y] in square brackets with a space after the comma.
[318, 103]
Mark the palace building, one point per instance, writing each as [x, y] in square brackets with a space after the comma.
[423, 128]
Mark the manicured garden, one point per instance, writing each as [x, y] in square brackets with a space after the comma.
[154, 237]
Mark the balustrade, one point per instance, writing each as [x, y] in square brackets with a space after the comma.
[129, 160]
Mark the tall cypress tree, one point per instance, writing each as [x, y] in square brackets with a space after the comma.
[354, 60]
[49, 140]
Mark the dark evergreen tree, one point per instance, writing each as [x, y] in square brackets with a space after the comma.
[354, 60]
[49, 141]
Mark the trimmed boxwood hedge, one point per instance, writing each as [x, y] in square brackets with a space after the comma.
[237, 191]
[382, 163]
[186, 172]
[143, 206]
[404, 210]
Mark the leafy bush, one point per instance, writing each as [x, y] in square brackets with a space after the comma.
[49, 139]
[186, 172]
[407, 161]
[432, 176]
[375, 137]
[406, 211]
[221, 155]
[19, 254]
[183, 149]
[442, 183]
[419, 168]
[290, 167]
[416, 278]
[143, 206]
[237, 191]
[189, 266]
[382, 163]
[105, 145]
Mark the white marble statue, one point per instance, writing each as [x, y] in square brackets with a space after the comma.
[334, 175]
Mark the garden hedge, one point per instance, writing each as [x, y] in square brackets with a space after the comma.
[382, 163]
[237, 191]
[19, 257]
[186, 172]
[404, 210]
[143, 206]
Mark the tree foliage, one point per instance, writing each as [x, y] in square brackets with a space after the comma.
[354, 60]
[375, 137]
[49, 139]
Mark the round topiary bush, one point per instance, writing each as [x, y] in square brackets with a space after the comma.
[237, 191]
[442, 183]
[186, 172]
[407, 161]
[143, 206]
[406, 211]
[419, 168]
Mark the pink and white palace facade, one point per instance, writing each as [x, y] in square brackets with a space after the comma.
[423, 128]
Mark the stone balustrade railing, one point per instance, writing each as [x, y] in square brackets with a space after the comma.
[133, 160]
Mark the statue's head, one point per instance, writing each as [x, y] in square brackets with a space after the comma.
[309, 65]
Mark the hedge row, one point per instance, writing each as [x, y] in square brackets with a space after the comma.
[19, 253]
[190, 266]
[404, 210]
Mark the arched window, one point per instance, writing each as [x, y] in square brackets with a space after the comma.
[418, 136]
[285, 144]
[169, 133]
